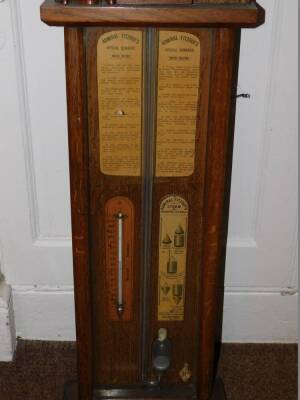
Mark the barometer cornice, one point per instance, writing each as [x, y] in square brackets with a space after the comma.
[198, 15]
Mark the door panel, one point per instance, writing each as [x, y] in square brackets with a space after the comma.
[115, 107]
[183, 332]
[148, 94]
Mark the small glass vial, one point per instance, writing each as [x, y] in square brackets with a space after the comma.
[161, 351]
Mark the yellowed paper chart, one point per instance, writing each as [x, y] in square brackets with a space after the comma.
[172, 258]
[120, 76]
[177, 103]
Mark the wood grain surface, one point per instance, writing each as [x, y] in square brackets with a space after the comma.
[116, 344]
[109, 350]
[247, 15]
[184, 334]
[78, 159]
[116, 351]
[215, 213]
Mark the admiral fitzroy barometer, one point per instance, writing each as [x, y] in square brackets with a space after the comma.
[151, 88]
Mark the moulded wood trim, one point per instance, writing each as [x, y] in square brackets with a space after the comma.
[78, 155]
[243, 15]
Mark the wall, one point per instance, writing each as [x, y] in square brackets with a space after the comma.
[35, 245]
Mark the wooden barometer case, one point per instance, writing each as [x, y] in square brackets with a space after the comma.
[151, 91]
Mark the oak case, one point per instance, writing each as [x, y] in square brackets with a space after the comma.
[115, 354]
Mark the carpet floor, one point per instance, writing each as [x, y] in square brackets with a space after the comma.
[250, 372]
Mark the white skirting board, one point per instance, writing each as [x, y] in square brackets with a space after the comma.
[249, 316]
[261, 317]
[47, 313]
[7, 325]
[44, 313]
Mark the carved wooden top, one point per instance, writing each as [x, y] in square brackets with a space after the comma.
[219, 13]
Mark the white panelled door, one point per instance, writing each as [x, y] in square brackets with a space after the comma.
[35, 227]
[261, 275]
[35, 244]
[35, 216]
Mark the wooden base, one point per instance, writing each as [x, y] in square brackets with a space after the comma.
[167, 393]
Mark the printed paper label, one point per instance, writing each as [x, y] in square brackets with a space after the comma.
[177, 103]
[120, 76]
[172, 258]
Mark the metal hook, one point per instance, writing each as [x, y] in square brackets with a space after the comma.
[243, 95]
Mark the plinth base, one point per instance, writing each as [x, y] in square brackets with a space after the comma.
[167, 393]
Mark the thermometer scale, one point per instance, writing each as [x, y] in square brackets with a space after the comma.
[119, 237]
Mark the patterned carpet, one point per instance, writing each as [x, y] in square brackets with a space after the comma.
[250, 372]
